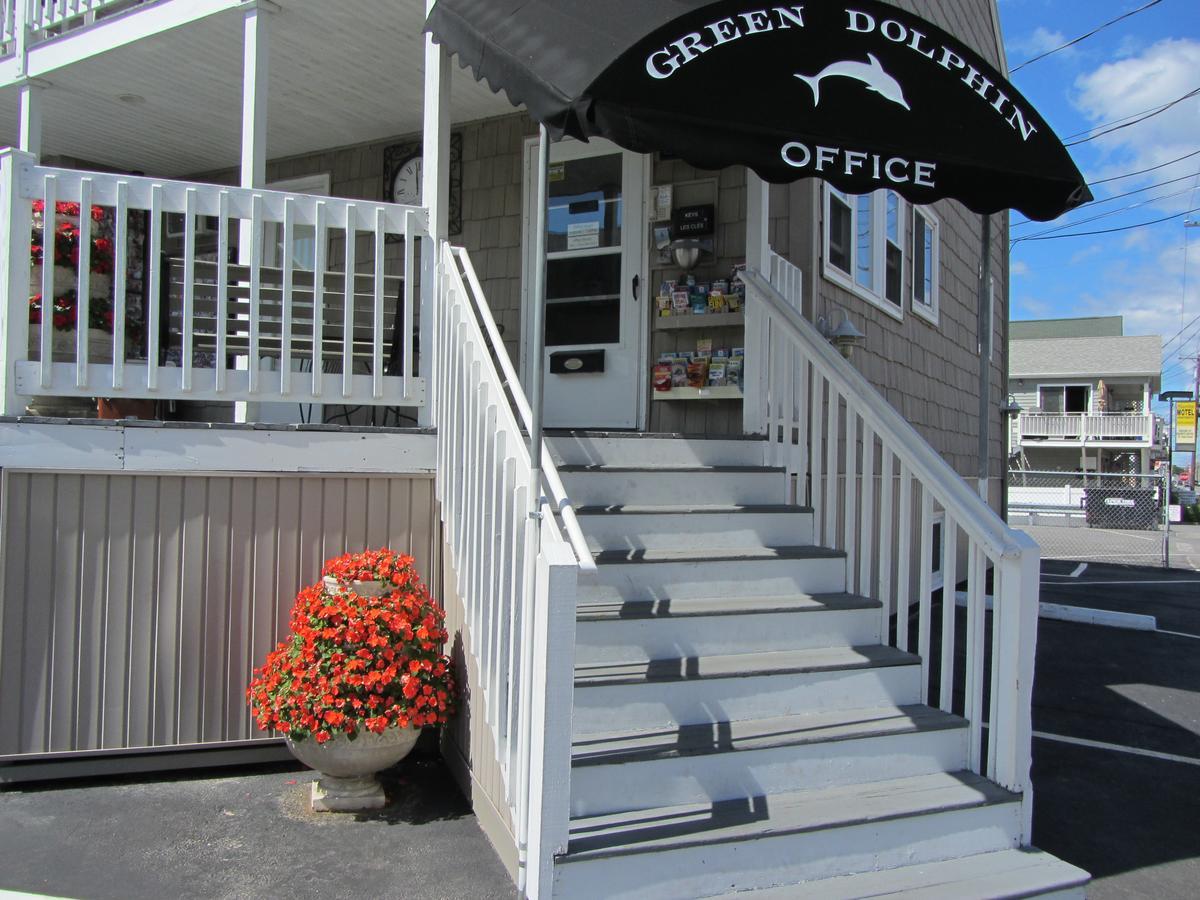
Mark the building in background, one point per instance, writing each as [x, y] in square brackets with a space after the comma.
[1084, 390]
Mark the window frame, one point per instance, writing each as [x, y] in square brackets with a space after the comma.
[876, 295]
[930, 312]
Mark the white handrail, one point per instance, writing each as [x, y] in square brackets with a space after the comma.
[562, 503]
[517, 592]
[879, 493]
[925, 463]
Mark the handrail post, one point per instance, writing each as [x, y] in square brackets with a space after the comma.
[1015, 617]
[15, 266]
[552, 701]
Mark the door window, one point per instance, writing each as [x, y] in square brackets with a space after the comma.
[583, 258]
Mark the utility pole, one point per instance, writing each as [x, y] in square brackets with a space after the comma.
[1196, 395]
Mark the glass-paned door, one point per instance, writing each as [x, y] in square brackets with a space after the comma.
[594, 268]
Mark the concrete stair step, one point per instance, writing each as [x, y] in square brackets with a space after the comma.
[717, 760]
[716, 529]
[650, 629]
[667, 485]
[1000, 875]
[692, 690]
[617, 449]
[759, 840]
[632, 575]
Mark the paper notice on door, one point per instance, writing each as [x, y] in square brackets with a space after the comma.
[583, 235]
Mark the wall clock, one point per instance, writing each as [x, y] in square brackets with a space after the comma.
[402, 170]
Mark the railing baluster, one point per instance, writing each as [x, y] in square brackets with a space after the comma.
[49, 232]
[799, 445]
[903, 557]
[83, 289]
[348, 304]
[120, 278]
[867, 524]
[832, 435]
[288, 314]
[377, 321]
[155, 288]
[976, 622]
[887, 488]
[318, 300]
[189, 285]
[949, 610]
[406, 336]
[222, 360]
[924, 600]
[849, 498]
[256, 261]
[816, 456]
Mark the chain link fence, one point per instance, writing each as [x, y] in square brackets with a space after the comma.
[1092, 517]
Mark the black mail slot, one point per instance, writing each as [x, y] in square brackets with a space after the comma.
[576, 363]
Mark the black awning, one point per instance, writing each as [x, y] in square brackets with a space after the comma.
[860, 94]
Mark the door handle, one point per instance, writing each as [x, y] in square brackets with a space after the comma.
[637, 284]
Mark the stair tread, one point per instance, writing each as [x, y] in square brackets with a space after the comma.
[759, 734]
[686, 509]
[769, 662]
[661, 608]
[732, 469]
[610, 557]
[728, 821]
[998, 875]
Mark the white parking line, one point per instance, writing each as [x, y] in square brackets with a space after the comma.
[1079, 570]
[1092, 583]
[1116, 748]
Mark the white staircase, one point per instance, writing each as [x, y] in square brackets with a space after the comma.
[740, 724]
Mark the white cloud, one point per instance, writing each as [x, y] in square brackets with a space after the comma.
[1040, 41]
[1018, 268]
[1129, 87]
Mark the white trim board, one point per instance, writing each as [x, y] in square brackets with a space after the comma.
[118, 448]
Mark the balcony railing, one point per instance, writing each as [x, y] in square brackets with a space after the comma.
[127, 319]
[1086, 427]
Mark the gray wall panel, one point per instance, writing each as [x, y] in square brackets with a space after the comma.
[135, 606]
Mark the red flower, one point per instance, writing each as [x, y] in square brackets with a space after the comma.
[340, 669]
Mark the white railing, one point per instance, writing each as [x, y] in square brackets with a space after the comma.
[516, 574]
[8, 23]
[197, 326]
[1077, 427]
[878, 491]
[46, 15]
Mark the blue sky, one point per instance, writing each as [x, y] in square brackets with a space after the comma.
[1150, 275]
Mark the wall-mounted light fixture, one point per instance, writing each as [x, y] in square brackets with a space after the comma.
[845, 336]
[1012, 408]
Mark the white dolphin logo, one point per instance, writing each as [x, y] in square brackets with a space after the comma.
[871, 74]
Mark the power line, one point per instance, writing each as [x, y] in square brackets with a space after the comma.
[1105, 215]
[1143, 171]
[1084, 37]
[1149, 115]
[1093, 203]
[1054, 237]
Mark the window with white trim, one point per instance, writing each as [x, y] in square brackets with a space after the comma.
[926, 244]
[864, 246]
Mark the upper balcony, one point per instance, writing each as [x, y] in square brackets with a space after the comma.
[1077, 429]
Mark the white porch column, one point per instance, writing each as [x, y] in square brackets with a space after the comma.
[758, 256]
[17, 216]
[435, 196]
[29, 106]
[255, 67]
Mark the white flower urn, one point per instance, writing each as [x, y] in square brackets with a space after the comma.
[348, 767]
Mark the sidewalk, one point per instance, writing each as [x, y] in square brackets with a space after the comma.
[225, 834]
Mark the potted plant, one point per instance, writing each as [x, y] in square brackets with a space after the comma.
[361, 673]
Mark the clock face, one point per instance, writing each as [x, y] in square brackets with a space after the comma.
[406, 183]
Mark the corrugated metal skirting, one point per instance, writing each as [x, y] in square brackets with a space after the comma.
[136, 606]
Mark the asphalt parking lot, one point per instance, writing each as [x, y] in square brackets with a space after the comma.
[1116, 773]
[1117, 731]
